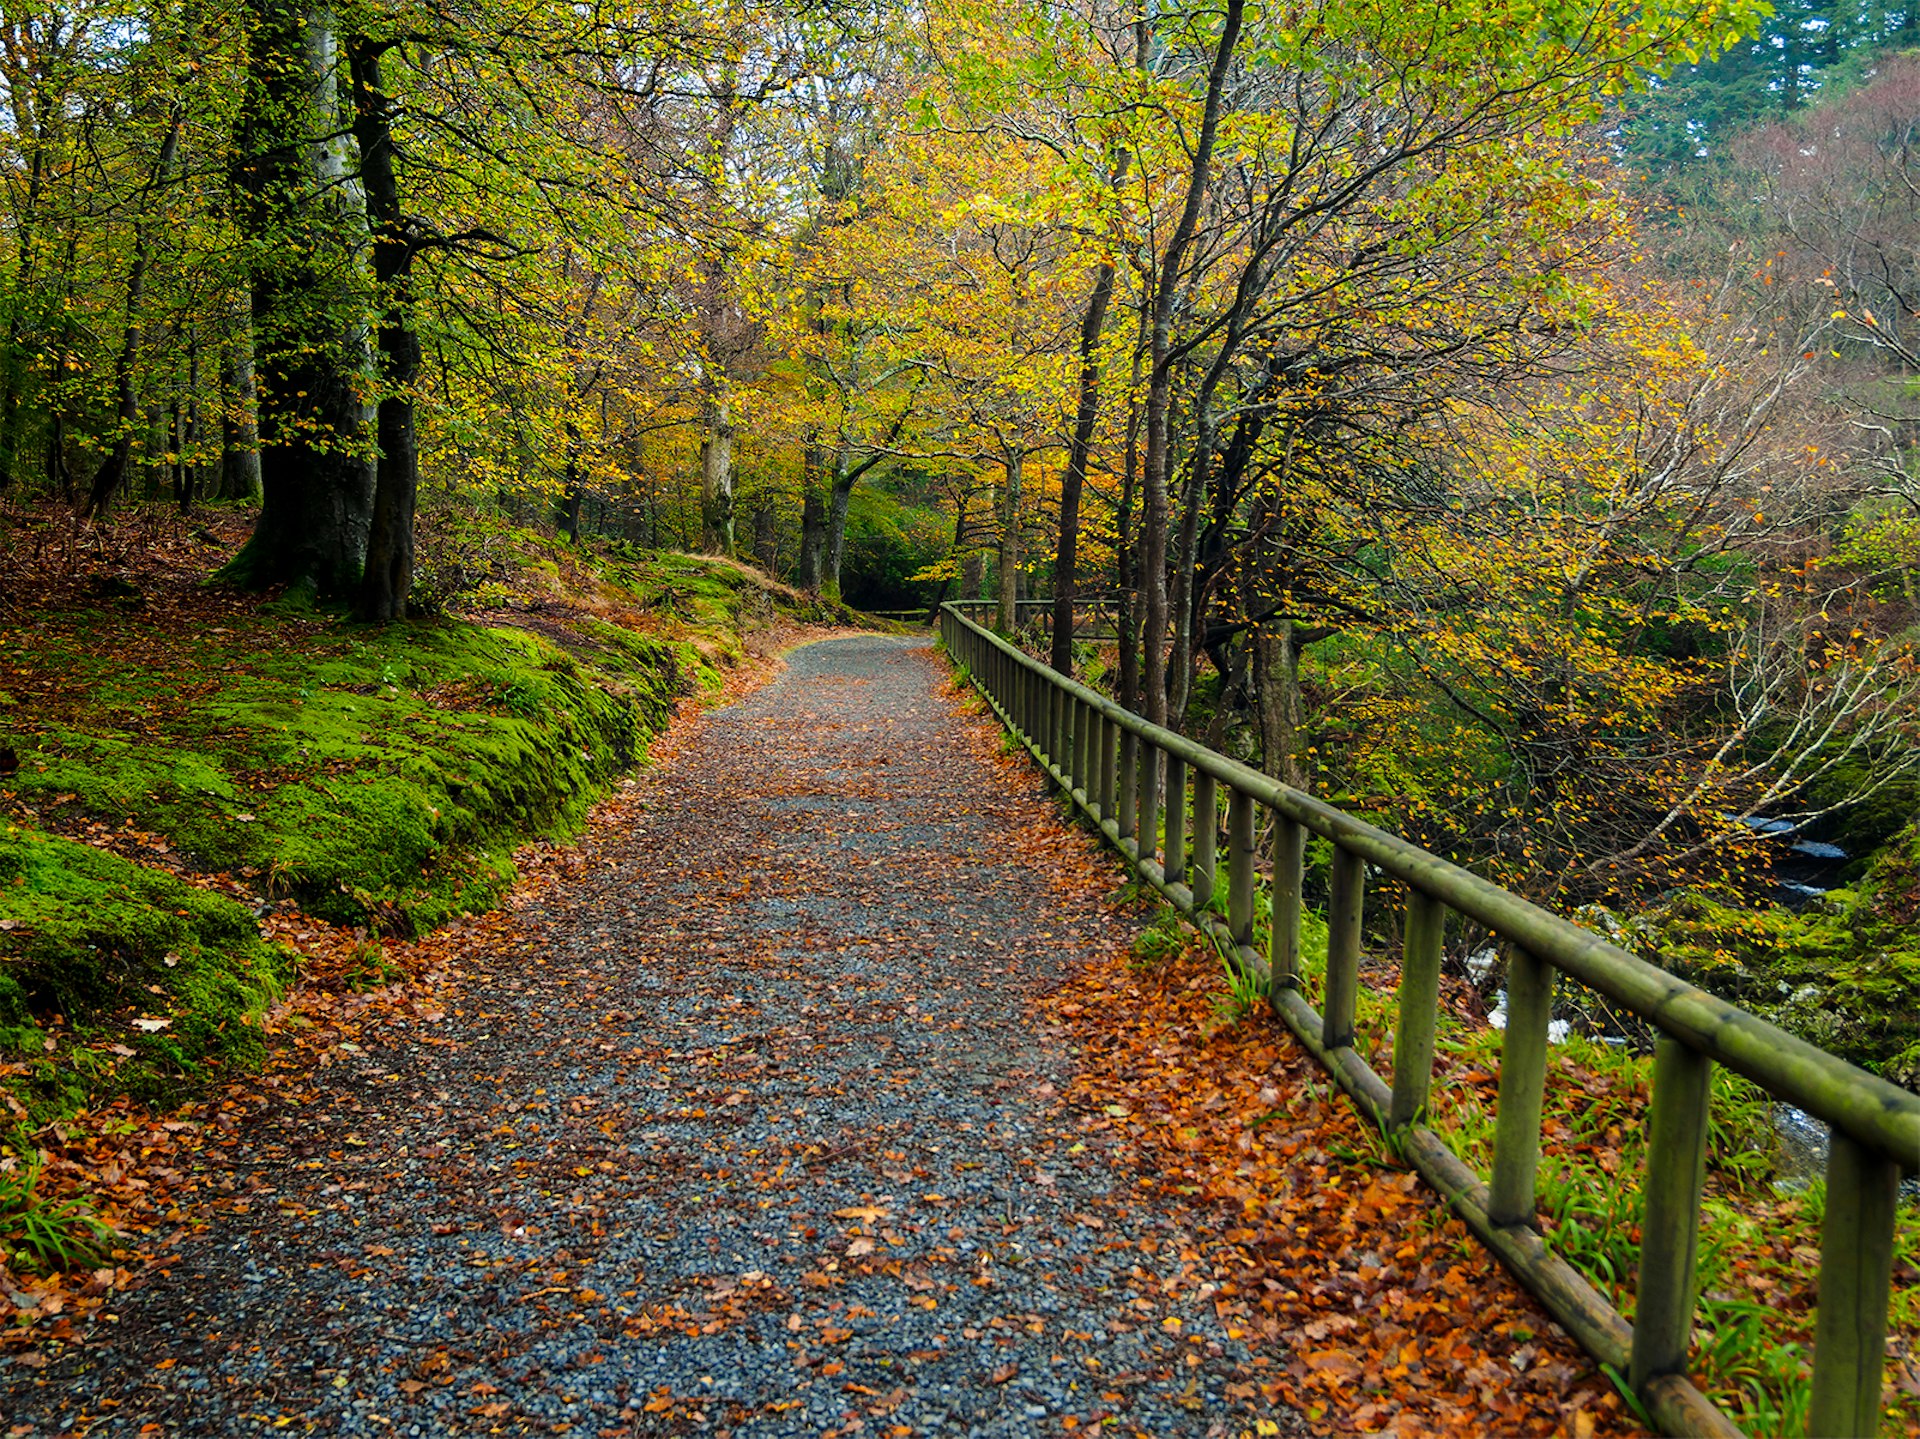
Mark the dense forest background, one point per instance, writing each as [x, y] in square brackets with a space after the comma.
[1497, 419]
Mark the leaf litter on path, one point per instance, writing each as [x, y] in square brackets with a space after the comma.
[810, 1096]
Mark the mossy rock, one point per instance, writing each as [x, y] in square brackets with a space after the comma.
[148, 980]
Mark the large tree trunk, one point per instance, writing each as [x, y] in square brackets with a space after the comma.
[1066, 557]
[389, 571]
[716, 480]
[1008, 618]
[1276, 687]
[298, 212]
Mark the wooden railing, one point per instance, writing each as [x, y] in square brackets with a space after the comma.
[1135, 781]
[1095, 615]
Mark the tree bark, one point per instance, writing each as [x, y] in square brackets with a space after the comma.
[126, 414]
[1126, 555]
[388, 578]
[296, 210]
[1185, 598]
[1157, 461]
[1276, 687]
[813, 518]
[239, 437]
[574, 494]
[1066, 557]
[13, 365]
[1007, 619]
[716, 480]
[766, 539]
[838, 499]
[59, 477]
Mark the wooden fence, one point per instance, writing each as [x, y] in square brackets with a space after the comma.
[1135, 782]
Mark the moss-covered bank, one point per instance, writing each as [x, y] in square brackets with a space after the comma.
[373, 777]
[379, 777]
[116, 975]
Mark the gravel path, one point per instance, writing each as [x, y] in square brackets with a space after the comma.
[758, 1133]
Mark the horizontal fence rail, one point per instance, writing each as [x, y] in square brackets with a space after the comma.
[1135, 781]
[1095, 616]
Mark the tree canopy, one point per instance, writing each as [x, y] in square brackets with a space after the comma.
[1497, 416]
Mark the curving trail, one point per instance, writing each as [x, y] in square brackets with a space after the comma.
[759, 1132]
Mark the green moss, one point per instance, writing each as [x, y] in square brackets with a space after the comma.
[139, 980]
[379, 777]
[1844, 974]
[376, 776]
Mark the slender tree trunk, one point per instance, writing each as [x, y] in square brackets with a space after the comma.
[189, 470]
[954, 550]
[59, 476]
[1066, 556]
[1008, 618]
[1183, 598]
[813, 517]
[716, 480]
[1154, 517]
[1126, 554]
[113, 470]
[239, 436]
[973, 576]
[572, 496]
[13, 359]
[766, 538]
[388, 578]
[58, 473]
[298, 212]
[837, 502]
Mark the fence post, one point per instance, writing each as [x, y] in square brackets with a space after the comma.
[1512, 1197]
[1146, 819]
[1080, 773]
[1413, 1032]
[1670, 1228]
[1289, 853]
[1856, 1275]
[1105, 731]
[1344, 910]
[1065, 704]
[1239, 867]
[1206, 837]
[1127, 800]
[1174, 865]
